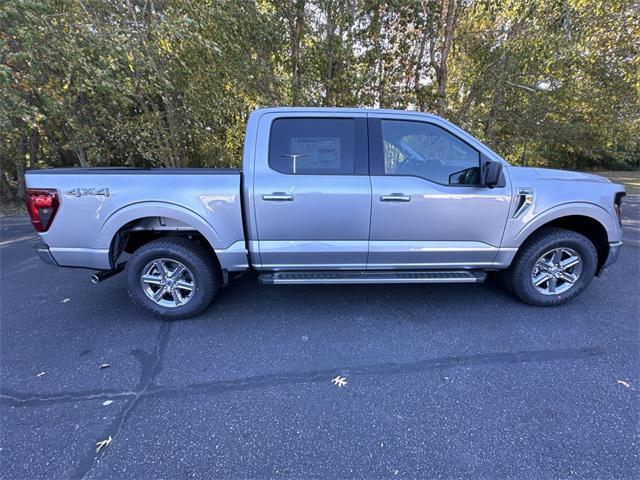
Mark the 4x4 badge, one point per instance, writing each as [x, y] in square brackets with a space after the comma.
[83, 192]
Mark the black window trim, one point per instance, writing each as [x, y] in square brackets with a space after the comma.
[376, 151]
[361, 163]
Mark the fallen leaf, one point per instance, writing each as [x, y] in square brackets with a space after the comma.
[339, 381]
[103, 443]
[105, 365]
[66, 300]
[41, 374]
[107, 402]
[623, 383]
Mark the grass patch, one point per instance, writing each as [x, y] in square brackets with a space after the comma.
[630, 180]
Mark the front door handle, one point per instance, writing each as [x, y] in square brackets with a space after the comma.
[395, 197]
[278, 197]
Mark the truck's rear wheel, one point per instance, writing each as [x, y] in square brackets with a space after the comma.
[172, 277]
[552, 267]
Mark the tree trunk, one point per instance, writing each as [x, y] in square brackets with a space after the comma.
[329, 75]
[417, 73]
[470, 97]
[7, 192]
[176, 157]
[150, 113]
[296, 24]
[82, 157]
[20, 162]
[34, 148]
[377, 30]
[451, 9]
[346, 91]
[501, 68]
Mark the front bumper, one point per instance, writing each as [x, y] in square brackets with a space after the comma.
[614, 253]
[45, 254]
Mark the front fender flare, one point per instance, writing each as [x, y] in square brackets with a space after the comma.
[583, 209]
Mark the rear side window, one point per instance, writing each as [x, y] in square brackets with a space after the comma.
[314, 146]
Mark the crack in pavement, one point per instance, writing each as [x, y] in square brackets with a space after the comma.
[146, 387]
[325, 375]
[151, 365]
[15, 399]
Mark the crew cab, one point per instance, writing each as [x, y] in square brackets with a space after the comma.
[331, 195]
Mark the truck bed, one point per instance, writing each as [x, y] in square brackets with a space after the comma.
[97, 203]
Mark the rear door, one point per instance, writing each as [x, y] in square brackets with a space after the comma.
[428, 207]
[312, 192]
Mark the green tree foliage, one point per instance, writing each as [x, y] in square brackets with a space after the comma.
[170, 82]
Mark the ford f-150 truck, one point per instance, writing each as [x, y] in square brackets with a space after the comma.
[331, 195]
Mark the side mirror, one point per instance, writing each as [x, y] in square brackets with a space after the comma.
[491, 173]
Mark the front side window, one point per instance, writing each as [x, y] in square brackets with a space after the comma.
[424, 150]
[313, 146]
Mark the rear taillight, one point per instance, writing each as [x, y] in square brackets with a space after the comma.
[42, 205]
[617, 205]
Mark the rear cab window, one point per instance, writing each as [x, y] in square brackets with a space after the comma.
[318, 146]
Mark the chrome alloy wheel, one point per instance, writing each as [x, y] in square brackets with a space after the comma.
[167, 282]
[556, 271]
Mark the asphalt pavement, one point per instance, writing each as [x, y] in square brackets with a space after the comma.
[443, 381]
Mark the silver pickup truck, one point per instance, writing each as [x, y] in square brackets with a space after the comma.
[331, 195]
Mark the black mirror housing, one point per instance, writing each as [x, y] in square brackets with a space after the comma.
[491, 173]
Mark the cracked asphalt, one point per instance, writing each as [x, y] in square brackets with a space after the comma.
[444, 381]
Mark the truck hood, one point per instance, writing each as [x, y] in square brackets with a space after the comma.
[551, 174]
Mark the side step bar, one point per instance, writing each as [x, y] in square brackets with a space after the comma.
[344, 277]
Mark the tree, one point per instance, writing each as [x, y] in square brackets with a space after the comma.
[170, 83]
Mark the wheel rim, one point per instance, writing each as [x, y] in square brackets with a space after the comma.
[167, 282]
[556, 271]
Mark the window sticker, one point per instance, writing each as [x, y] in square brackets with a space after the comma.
[316, 153]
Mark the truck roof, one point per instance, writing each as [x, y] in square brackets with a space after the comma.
[342, 110]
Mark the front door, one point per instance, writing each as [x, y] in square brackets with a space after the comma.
[312, 193]
[428, 208]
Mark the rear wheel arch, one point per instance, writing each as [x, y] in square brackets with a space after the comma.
[143, 210]
[139, 232]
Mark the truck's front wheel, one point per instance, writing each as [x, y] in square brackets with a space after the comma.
[552, 267]
[172, 277]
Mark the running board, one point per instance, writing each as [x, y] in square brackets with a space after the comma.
[343, 277]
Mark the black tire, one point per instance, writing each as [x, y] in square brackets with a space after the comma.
[196, 258]
[517, 278]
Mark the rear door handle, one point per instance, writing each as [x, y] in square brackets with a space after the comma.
[395, 197]
[278, 197]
